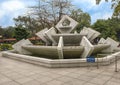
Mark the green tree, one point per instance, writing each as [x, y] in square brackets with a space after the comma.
[9, 32]
[29, 23]
[21, 33]
[1, 31]
[114, 24]
[101, 26]
[108, 28]
[83, 18]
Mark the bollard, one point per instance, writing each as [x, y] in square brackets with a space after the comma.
[116, 70]
[97, 63]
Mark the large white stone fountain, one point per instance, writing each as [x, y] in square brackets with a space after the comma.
[65, 44]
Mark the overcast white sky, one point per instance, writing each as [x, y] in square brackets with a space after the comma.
[13, 8]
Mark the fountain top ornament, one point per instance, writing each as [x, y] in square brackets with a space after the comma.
[67, 43]
[66, 24]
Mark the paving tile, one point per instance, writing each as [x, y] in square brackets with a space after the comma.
[91, 74]
[64, 79]
[35, 76]
[4, 79]
[111, 83]
[88, 83]
[85, 78]
[14, 76]
[6, 71]
[23, 80]
[81, 71]
[33, 82]
[103, 77]
[75, 82]
[44, 79]
[54, 82]
[63, 72]
[73, 75]
[97, 70]
[109, 73]
[28, 73]
[10, 83]
[116, 75]
[46, 73]
[98, 81]
[117, 80]
[54, 76]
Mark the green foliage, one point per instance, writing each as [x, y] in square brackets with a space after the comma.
[31, 24]
[108, 28]
[20, 33]
[84, 19]
[1, 31]
[5, 47]
[117, 10]
[101, 26]
[7, 32]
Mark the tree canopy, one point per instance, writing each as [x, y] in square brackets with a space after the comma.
[29, 23]
[21, 33]
[82, 18]
[48, 13]
[108, 28]
[7, 32]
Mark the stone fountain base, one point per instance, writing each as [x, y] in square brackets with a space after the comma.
[57, 63]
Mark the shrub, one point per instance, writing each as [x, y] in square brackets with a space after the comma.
[4, 47]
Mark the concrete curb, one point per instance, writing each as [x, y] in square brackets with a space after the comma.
[61, 62]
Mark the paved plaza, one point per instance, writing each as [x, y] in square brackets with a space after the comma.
[13, 72]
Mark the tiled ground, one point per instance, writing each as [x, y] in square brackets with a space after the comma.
[13, 72]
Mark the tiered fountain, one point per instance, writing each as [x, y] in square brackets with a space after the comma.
[66, 47]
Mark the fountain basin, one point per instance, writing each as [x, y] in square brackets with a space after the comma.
[69, 39]
[51, 52]
[61, 62]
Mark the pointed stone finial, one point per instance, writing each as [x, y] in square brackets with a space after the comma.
[66, 24]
